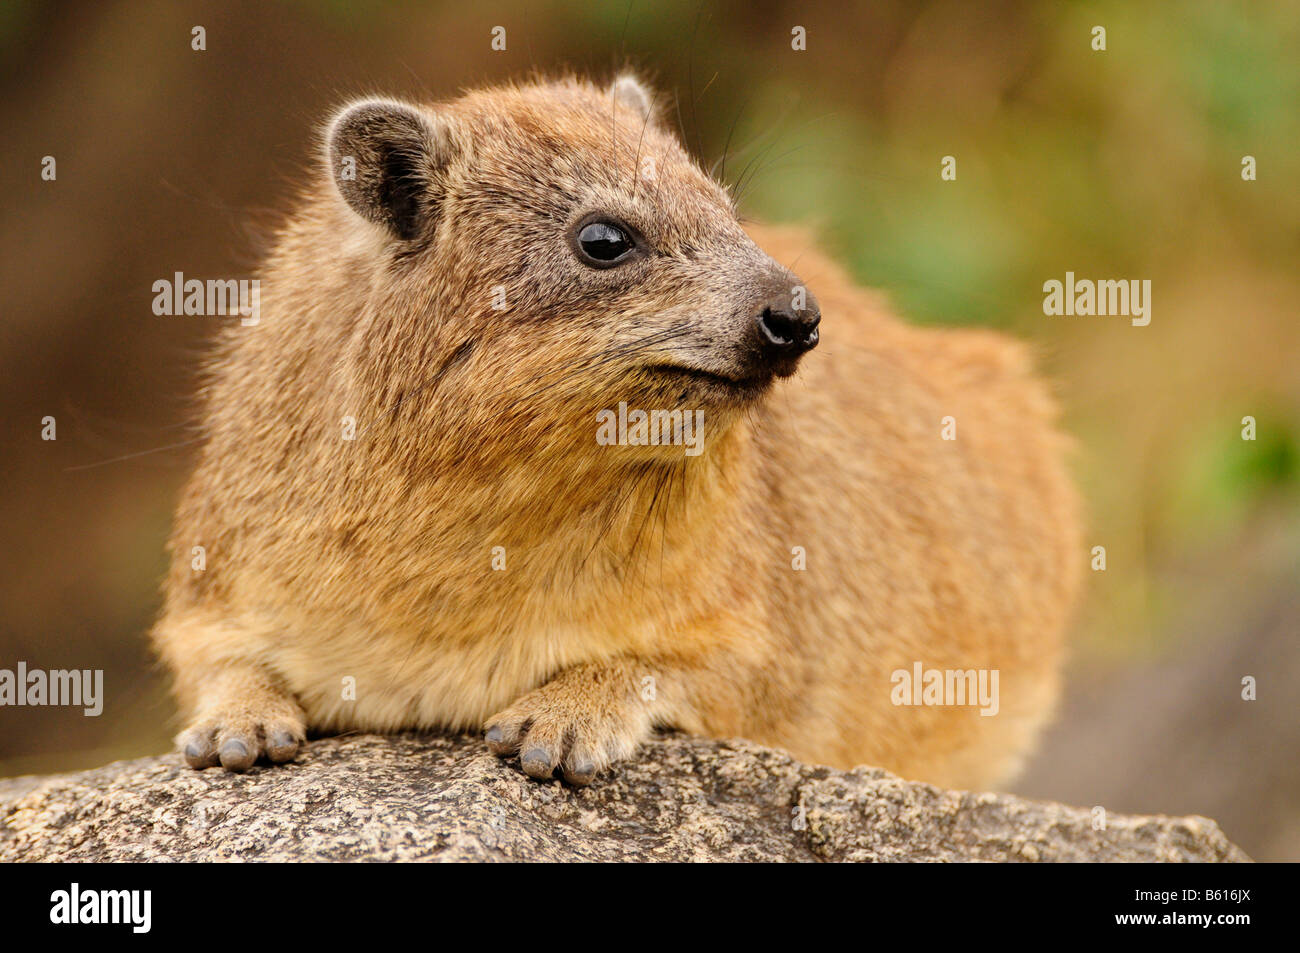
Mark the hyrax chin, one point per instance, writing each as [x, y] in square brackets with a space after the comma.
[517, 444]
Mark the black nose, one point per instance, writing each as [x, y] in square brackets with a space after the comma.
[787, 332]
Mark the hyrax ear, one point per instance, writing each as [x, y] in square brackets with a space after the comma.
[389, 162]
[627, 89]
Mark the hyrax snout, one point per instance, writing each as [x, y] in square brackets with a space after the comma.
[785, 326]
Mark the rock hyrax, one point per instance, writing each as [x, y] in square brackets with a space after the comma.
[533, 436]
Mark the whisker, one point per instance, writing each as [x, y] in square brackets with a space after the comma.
[132, 456]
[636, 162]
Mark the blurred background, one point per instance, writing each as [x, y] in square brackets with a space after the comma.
[1117, 164]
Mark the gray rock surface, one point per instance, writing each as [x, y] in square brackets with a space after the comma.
[428, 798]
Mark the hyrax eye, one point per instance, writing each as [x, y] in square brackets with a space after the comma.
[604, 243]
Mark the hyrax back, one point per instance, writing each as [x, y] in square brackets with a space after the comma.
[426, 500]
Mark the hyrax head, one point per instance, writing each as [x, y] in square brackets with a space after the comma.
[546, 251]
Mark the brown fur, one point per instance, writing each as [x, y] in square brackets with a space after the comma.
[642, 587]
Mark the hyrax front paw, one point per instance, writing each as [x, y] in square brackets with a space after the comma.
[236, 734]
[581, 722]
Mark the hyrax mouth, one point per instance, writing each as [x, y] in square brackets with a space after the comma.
[712, 383]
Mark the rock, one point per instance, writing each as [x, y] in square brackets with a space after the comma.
[410, 797]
